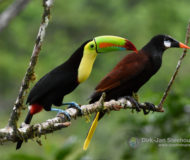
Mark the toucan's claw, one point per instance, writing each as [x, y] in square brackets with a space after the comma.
[74, 105]
[150, 107]
[135, 103]
[63, 112]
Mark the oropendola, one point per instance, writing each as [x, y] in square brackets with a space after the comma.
[130, 74]
[51, 88]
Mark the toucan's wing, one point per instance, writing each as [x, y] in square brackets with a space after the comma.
[128, 68]
[54, 81]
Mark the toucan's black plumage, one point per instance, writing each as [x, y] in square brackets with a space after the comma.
[51, 88]
[132, 72]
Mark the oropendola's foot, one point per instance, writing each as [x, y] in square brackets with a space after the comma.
[135, 96]
[135, 103]
[74, 105]
[150, 107]
[62, 111]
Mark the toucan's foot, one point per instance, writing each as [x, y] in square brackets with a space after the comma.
[150, 107]
[74, 105]
[63, 112]
[135, 103]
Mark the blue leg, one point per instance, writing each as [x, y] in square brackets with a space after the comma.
[74, 105]
[62, 111]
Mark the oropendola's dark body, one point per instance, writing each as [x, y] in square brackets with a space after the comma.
[131, 73]
[51, 88]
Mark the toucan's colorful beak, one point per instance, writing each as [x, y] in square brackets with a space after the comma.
[113, 43]
[181, 45]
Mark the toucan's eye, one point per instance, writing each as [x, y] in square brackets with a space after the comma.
[92, 46]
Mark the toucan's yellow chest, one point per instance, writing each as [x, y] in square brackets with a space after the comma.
[86, 64]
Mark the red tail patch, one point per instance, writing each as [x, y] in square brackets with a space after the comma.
[35, 108]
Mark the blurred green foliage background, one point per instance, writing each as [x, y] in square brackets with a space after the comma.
[73, 22]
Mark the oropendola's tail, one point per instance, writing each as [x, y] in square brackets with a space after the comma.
[91, 131]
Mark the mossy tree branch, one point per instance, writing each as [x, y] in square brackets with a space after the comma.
[11, 12]
[60, 121]
[176, 70]
[29, 76]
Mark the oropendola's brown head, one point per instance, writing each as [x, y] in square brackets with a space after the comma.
[163, 42]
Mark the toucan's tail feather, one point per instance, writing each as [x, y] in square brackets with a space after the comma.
[27, 121]
[91, 131]
[28, 118]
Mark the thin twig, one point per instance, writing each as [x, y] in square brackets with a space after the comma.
[12, 11]
[60, 121]
[29, 76]
[176, 71]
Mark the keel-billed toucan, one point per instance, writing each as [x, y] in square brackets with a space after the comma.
[131, 73]
[51, 88]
